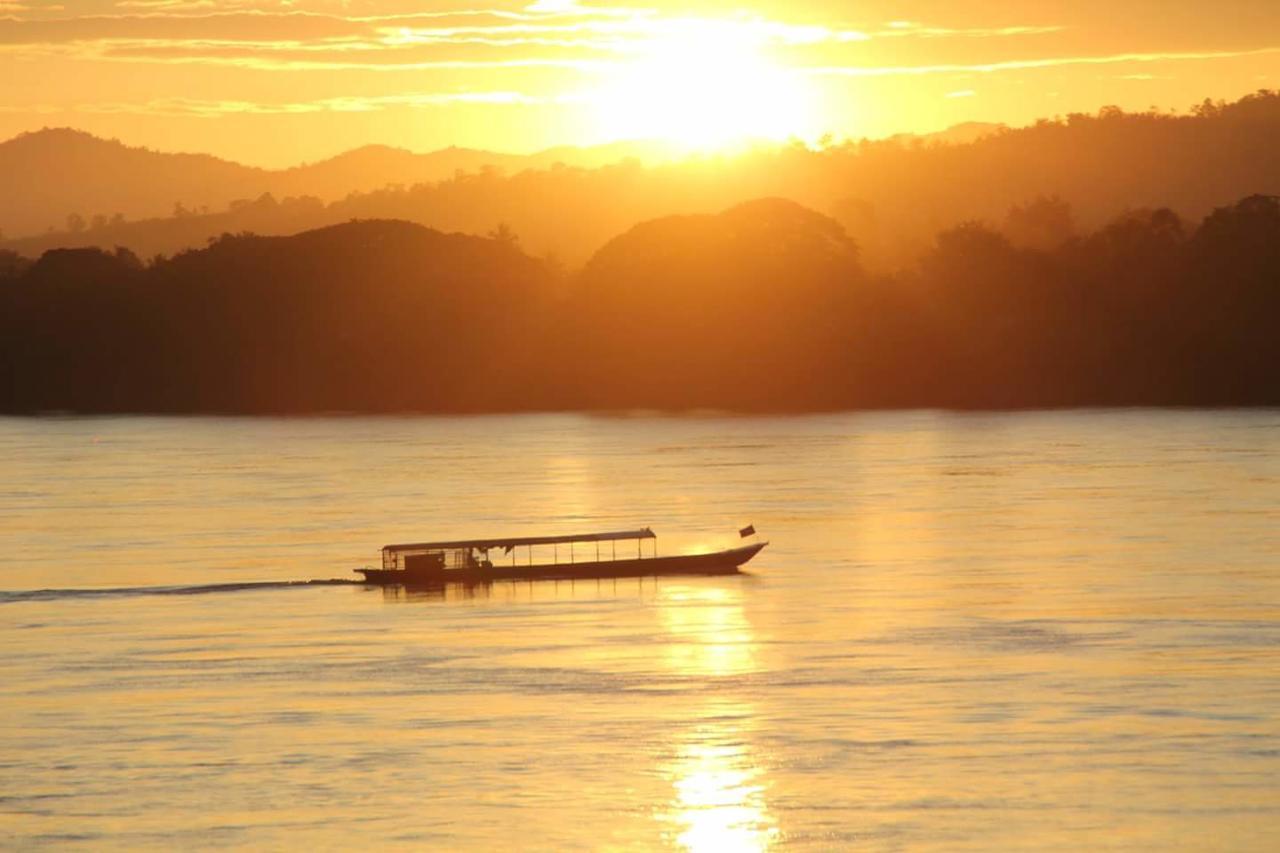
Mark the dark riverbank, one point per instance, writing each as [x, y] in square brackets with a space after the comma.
[764, 307]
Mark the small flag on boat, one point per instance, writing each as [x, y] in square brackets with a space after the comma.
[749, 530]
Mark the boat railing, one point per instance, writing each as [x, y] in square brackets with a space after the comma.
[475, 553]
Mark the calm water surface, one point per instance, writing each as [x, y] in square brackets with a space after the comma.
[969, 632]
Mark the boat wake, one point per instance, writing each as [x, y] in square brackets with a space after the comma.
[15, 596]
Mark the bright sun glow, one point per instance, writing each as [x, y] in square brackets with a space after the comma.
[704, 85]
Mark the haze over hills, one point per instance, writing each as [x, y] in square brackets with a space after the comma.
[969, 131]
[59, 178]
[51, 174]
[892, 196]
[66, 180]
[764, 306]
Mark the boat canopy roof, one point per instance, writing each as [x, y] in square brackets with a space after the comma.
[508, 543]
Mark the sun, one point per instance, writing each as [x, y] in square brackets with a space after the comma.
[703, 85]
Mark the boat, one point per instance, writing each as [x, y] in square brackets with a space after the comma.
[468, 561]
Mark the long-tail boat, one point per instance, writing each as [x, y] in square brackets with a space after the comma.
[586, 555]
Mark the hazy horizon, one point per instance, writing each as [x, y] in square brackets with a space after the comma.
[655, 145]
[659, 150]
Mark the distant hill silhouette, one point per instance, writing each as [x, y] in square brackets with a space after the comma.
[892, 196]
[750, 302]
[763, 307]
[359, 316]
[960, 134]
[375, 166]
[52, 175]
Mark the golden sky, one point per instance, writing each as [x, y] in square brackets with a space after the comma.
[276, 82]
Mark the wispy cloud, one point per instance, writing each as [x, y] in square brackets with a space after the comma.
[350, 104]
[187, 5]
[302, 60]
[1028, 64]
[908, 29]
[330, 35]
[255, 33]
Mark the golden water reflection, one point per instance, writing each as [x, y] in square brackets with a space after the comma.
[719, 786]
[707, 633]
[719, 801]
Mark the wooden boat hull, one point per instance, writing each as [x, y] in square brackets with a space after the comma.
[718, 563]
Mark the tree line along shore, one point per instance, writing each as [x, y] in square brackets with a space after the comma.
[766, 306]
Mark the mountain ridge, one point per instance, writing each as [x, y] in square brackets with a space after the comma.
[892, 196]
[62, 177]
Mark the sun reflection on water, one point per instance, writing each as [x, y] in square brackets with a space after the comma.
[718, 801]
[707, 633]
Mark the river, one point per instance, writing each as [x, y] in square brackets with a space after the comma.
[968, 631]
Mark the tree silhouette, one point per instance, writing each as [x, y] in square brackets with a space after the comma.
[1043, 223]
[505, 235]
[739, 306]
[763, 306]
[12, 264]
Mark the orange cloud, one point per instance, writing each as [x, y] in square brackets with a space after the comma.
[351, 104]
[1028, 64]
